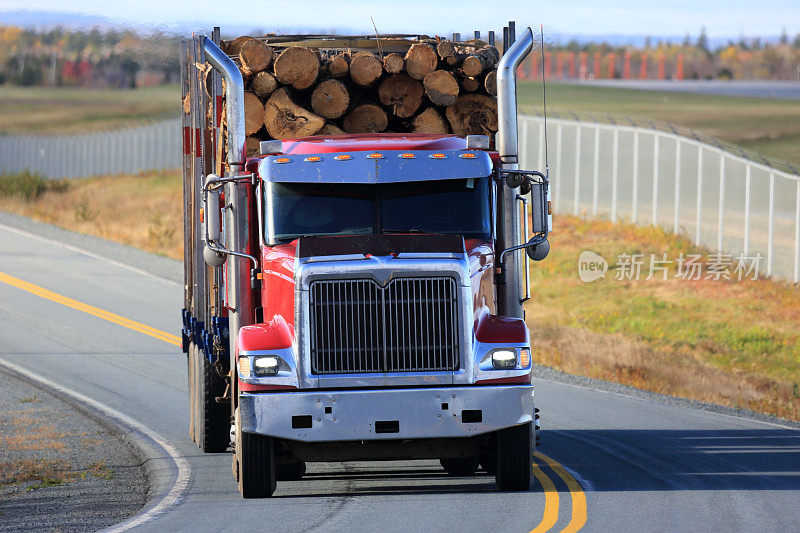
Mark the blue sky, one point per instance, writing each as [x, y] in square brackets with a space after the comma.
[722, 18]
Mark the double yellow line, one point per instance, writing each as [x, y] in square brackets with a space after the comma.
[552, 500]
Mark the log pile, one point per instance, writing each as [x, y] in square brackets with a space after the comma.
[436, 86]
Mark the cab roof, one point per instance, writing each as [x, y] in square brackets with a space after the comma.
[370, 142]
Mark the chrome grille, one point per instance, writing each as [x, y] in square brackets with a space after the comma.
[357, 326]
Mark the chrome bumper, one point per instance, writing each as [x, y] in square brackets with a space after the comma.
[399, 413]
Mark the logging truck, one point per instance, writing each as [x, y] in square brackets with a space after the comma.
[357, 246]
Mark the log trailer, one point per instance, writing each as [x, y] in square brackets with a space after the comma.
[357, 297]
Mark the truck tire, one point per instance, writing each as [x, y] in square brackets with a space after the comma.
[211, 419]
[255, 455]
[460, 466]
[515, 458]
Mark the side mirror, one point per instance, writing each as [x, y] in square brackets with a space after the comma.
[538, 252]
[212, 224]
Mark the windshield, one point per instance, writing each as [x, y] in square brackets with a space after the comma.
[293, 210]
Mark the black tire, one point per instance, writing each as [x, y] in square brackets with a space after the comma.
[515, 458]
[488, 461]
[292, 471]
[211, 419]
[460, 466]
[255, 455]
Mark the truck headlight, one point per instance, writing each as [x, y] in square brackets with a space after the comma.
[264, 366]
[504, 359]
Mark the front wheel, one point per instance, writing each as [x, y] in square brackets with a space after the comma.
[515, 458]
[255, 455]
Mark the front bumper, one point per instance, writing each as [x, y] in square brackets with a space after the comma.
[414, 413]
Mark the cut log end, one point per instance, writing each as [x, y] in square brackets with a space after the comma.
[393, 63]
[298, 67]
[490, 83]
[263, 84]
[235, 46]
[430, 121]
[285, 120]
[255, 56]
[470, 85]
[338, 66]
[441, 87]
[473, 114]
[253, 113]
[331, 129]
[252, 146]
[330, 99]
[402, 94]
[366, 118]
[445, 49]
[421, 59]
[365, 69]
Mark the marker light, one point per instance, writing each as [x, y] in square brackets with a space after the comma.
[283, 160]
[438, 156]
[467, 155]
[343, 157]
[312, 159]
[503, 359]
[524, 357]
[407, 156]
[244, 366]
[375, 156]
[265, 366]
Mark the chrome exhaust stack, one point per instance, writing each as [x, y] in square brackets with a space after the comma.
[510, 295]
[237, 209]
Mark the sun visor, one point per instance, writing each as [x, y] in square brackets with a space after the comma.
[384, 166]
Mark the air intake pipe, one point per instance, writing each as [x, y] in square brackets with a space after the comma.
[510, 289]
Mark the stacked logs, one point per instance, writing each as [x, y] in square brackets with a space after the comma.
[437, 87]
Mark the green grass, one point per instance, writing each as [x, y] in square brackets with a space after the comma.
[28, 185]
[768, 126]
[38, 110]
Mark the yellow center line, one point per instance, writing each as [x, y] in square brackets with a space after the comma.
[579, 513]
[551, 501]
[88, 309]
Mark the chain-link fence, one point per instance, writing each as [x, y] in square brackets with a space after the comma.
[722, 200]
[154, 146]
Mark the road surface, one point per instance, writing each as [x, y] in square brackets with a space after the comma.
[640, 463]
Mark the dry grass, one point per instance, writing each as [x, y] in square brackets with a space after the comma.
[31, 430]
[143, 211]
[734, 343]
[44, 472]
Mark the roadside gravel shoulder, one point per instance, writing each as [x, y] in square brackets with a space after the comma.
[62, 468]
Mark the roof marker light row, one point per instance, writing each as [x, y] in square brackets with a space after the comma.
[376, 155]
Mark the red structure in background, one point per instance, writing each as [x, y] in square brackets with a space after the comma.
[643, 67]
[571, 61]
[559, 66]
[626, 68]
[597, 58]
[679, 69]
[547, 65]
[612, 66]
[584, 71]
[661, 67]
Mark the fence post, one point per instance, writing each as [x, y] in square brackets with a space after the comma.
[635, 191]
[721, 214]
[576, 192]
[614, 177]
[747, 211]
[558, 168]
[770, 221]
[655, 178]
[699, 194]
[677, 185]
[596, 182]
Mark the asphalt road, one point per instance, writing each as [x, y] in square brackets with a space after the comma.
[789, 90]
[642, 463]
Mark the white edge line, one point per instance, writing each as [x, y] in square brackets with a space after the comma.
[175, 494]
[87, 253]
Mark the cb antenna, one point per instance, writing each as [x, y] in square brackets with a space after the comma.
[544, 104]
